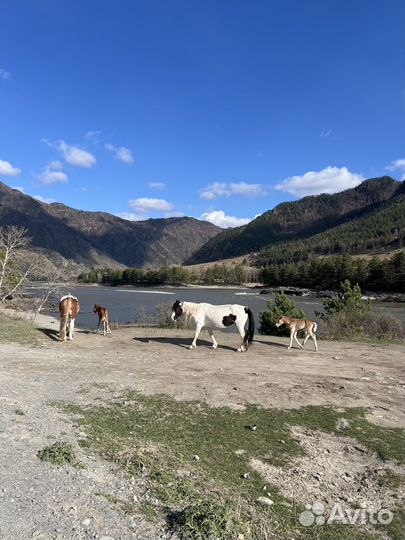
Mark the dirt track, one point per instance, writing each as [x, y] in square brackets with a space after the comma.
[40, 501]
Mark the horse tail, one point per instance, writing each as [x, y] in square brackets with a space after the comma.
[314, 327]
[250, 330]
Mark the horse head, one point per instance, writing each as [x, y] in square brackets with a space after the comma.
[177, 310]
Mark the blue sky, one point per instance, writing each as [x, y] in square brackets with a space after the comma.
[214, 109]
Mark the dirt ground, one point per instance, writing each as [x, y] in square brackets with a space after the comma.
[39, 500]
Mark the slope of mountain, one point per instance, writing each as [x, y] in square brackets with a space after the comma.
[300, 219]
[382, 229]
[101, 239]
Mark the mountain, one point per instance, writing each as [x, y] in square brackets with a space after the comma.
[101, 239]
[304, 219]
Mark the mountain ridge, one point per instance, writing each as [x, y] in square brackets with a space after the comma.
[101, 239]
[299, 219]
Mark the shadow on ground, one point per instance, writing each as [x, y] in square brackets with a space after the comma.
[181, 342]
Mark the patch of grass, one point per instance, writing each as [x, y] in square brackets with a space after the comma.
[19, 412]
[18, 331]
[207, 520]
[157, 438]
[60, 453]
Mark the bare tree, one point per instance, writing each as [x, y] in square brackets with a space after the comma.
[51, 287]
[14, 270]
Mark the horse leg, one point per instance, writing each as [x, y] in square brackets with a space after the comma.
[314, 338]
[241, 330]
[71, 329]
[104, 327]
[306, 338]
[197, 333]
[62, 329]
[291, 337]
[296, 339]
[214, 342]
[98, 326]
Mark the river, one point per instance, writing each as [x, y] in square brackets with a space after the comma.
[127, 304]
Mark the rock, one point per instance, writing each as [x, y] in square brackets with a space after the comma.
[106, 538]
[265, 500]
[342, 424]
[86, 522]
[196, 458]
[246, 475]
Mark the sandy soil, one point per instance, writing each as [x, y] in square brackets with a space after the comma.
[38, 500]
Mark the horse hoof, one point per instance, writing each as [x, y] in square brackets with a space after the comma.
[214, 346]
[191, 347]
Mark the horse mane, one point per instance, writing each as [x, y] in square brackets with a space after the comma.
[68, 296]
[191, 309]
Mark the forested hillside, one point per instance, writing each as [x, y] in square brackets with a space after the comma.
[310, 216]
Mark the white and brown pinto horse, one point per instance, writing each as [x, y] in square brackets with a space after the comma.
[219, 317]
[69, 308]
[102, 318]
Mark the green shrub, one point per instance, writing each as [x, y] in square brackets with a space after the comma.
[206, 521]
[59, 453]
[346, 314]
[281, 305]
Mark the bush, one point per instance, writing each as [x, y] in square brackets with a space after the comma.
[59, 453]
[281, 305]
[206, 521]
[385, 327]
[348, 316]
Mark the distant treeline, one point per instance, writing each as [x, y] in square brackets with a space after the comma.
[386, 275]
[218, 274]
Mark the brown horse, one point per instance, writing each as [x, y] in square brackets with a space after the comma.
[102, 318]
[69, 308]
[295, 325]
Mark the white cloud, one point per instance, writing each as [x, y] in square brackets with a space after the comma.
[6, 169]
[52, 174]
[329, 180]
[93, 135]
[131, 216]
[325, 133]
[43, 199]
[398, 165]
[219, 218]
[156, 185]
[223, 189]
[122, 154]
[73, 154]
[144, 204]
[4, 75]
